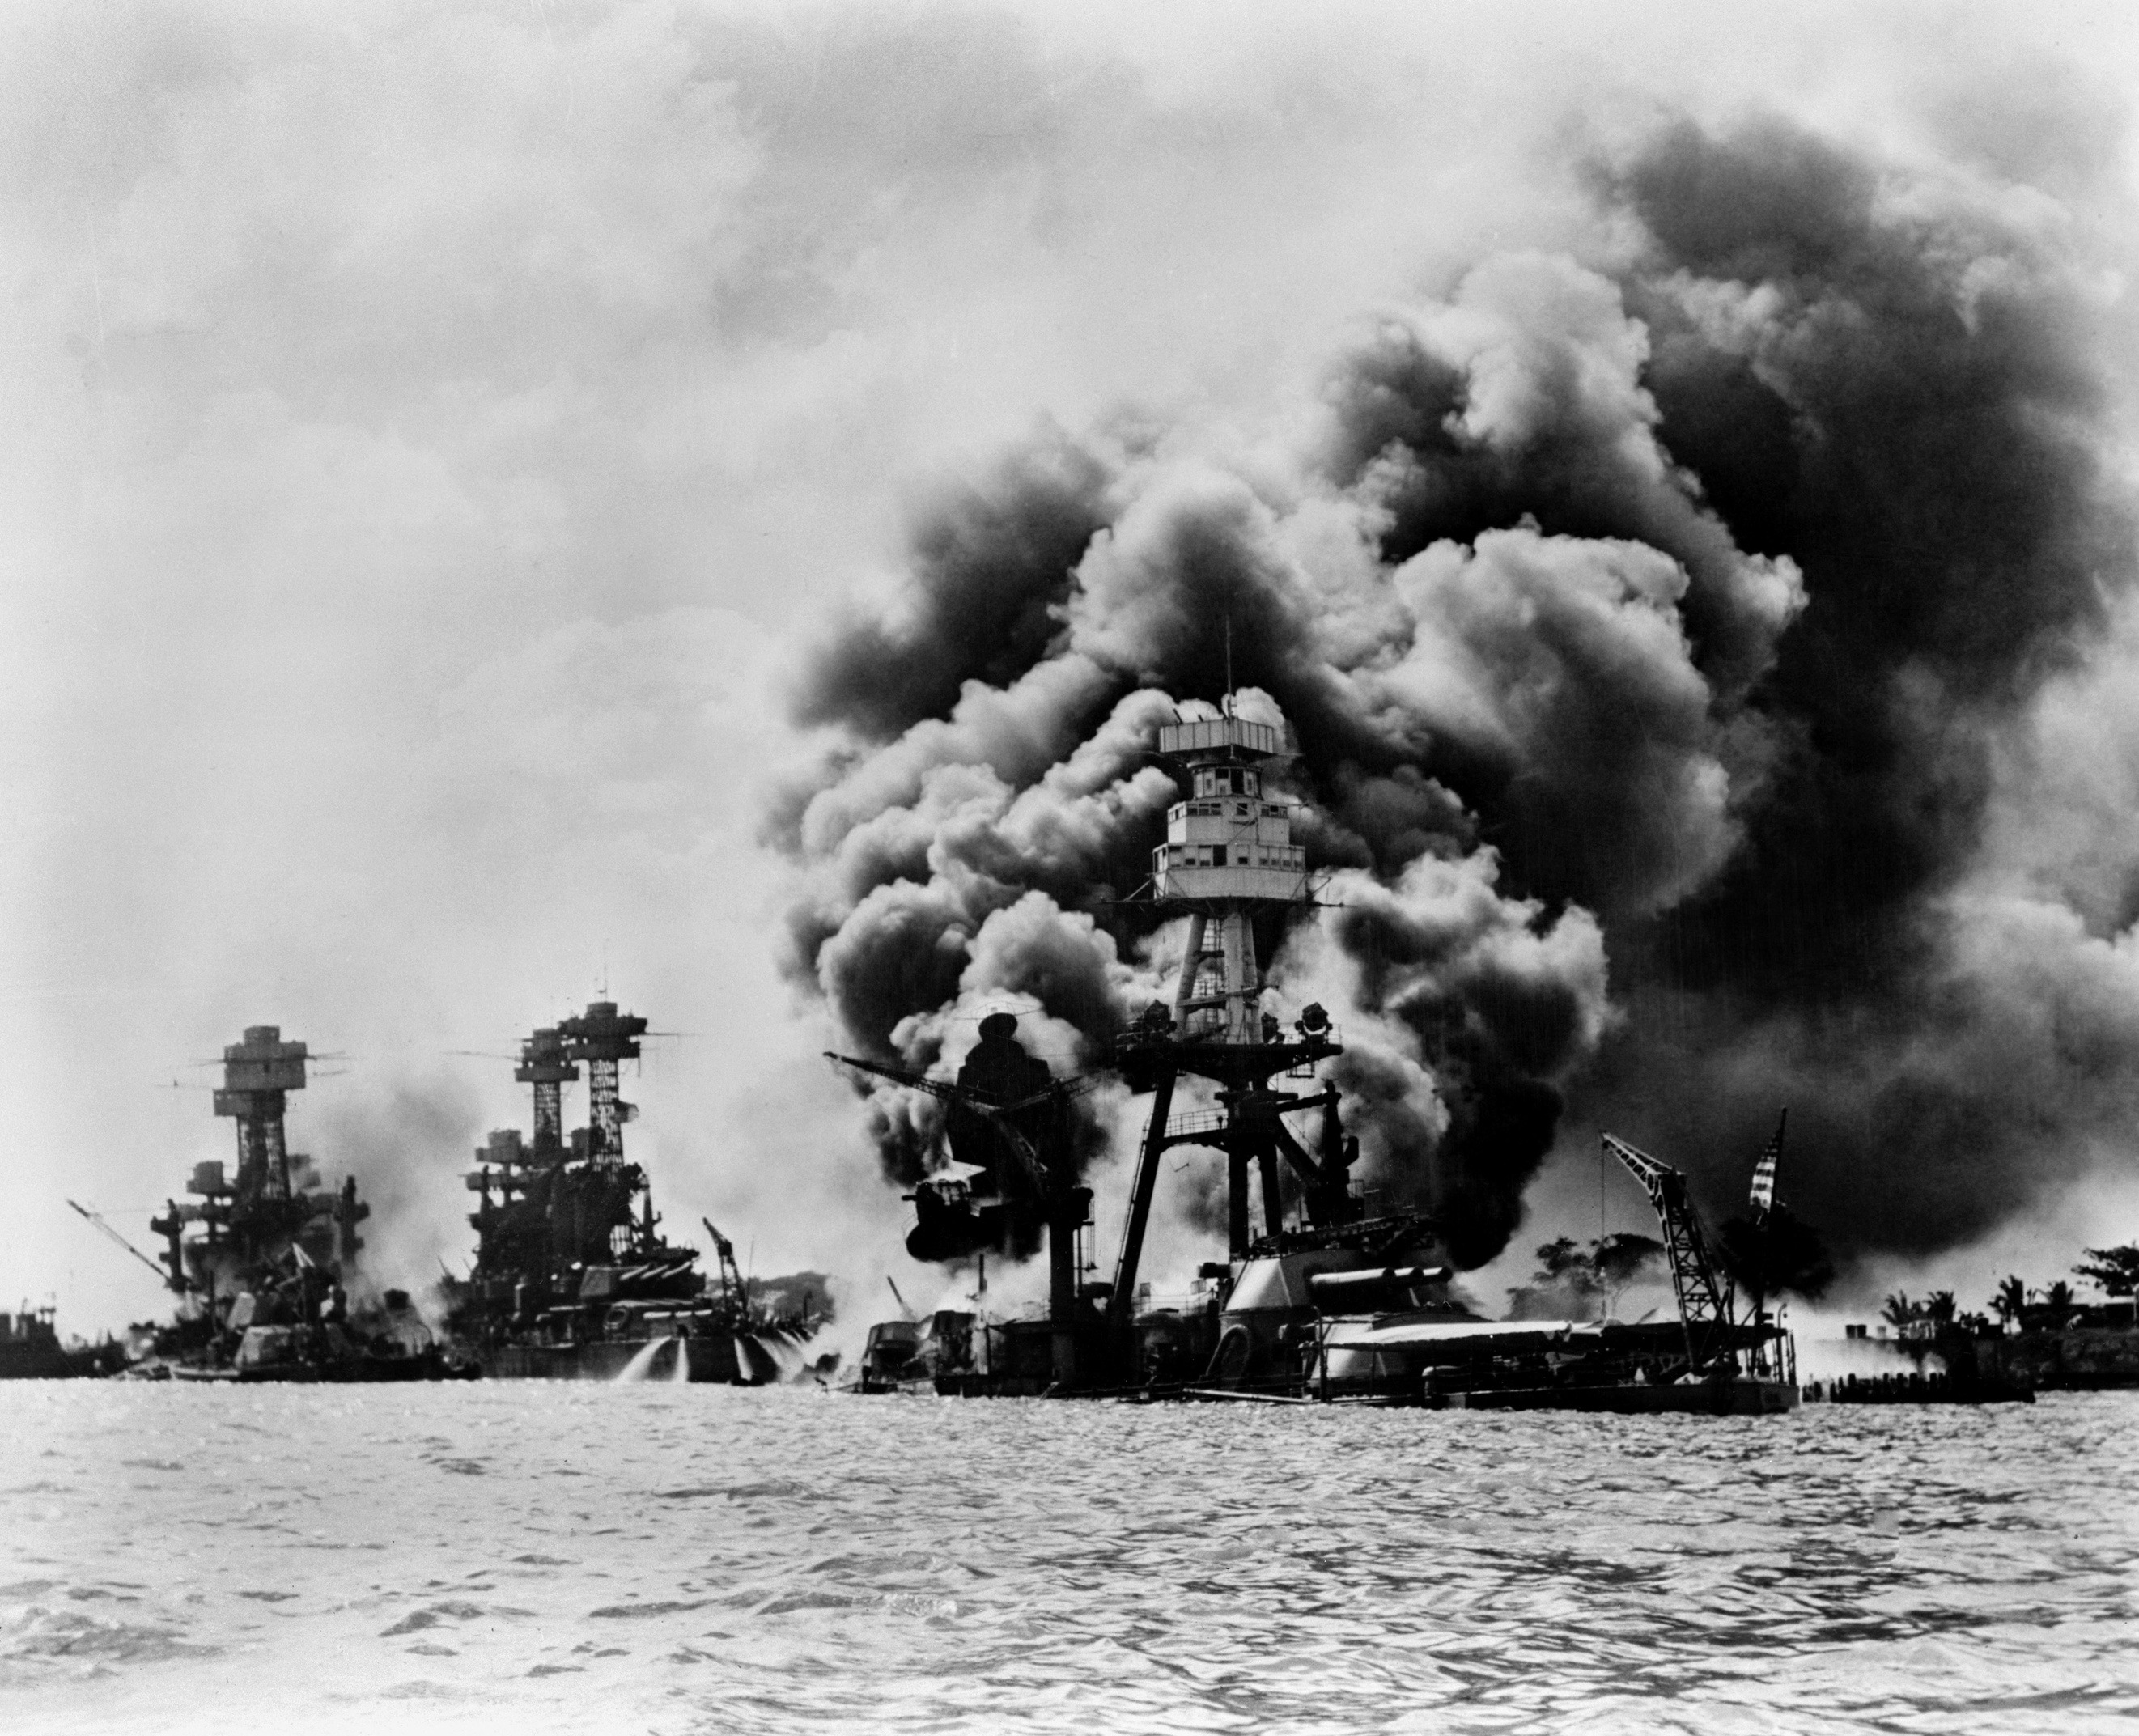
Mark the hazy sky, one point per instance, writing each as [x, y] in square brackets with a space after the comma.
[431, 433]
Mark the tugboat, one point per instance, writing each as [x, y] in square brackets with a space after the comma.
[265, 1263]
[573, 1279]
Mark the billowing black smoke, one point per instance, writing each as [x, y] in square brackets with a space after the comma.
[1896, 387]
[1669, 606]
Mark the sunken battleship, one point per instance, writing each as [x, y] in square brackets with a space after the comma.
[1321, 1297]
[265, 1262]
[573, 1279]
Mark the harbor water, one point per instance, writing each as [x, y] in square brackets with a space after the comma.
[671, 1559]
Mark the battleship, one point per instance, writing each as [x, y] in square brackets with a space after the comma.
[265, 1262]
[1326, 1299]
[573, 1277]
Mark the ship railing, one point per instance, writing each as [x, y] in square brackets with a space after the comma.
[1188, 1125]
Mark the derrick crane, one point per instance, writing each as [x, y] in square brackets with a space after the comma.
[176, 1282]
[731, 1284]
[1699, 1278]
[905, 1309]
[259, 1075]
[1031, 1127]
[983, 1104]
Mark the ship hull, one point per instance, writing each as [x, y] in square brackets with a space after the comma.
[49, 1362]
[310, 1374]
[719, 1359]
[1701, 1398]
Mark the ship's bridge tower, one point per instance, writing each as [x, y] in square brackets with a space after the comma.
[258, 1074]
[544, 1065]
[505, 1160]
[1228, 857]
[602, 1037]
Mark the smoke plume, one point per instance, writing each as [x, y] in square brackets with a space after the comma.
[398, 1144]
[1661, 628]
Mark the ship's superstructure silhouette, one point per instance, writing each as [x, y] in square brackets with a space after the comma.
[572, 1278]
[265, 1261]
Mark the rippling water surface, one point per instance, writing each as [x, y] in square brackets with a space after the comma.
[537, 1556]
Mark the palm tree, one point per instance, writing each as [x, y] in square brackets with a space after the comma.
[2011, 1298]
[1939, 1308]
[1899, 1311]
[2059, 1301]
[2114, 1270]
[1619, 1261]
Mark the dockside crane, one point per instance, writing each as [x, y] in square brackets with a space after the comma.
[731, 1284]
[1707, 1296]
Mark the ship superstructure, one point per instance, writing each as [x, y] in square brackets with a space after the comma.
[265, 1261]
[271, 1211]
[1320, 1296]
[1230, 869]
[563, 1202]
[1229, 866]
[1228, 859]
[572, 1276]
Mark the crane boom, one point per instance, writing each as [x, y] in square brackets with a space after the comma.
[967, 1096]
[1699, 1278]
[97, 1219]
[731, 1284]
[981, 1103]
[943, 1088]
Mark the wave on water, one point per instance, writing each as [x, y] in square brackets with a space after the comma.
[775, 1561]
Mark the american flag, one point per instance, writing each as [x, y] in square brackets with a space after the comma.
[1764, 1171]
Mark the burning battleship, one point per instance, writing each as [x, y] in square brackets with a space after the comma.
[265, 1262]
[573, 1279]
[1321, 1296]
